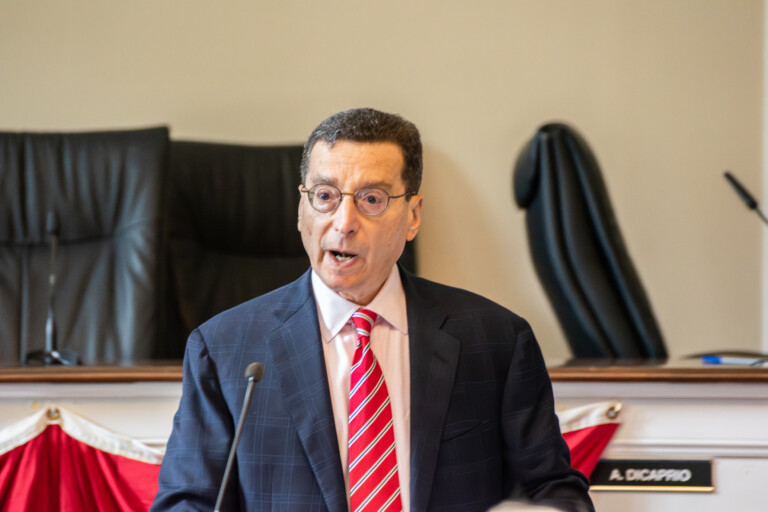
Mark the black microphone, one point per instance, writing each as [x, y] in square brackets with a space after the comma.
[253, 373]
[51, 355]
[745, 196]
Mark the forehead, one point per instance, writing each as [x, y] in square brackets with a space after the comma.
[356, 163]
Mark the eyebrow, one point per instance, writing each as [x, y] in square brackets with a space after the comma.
[323, 180]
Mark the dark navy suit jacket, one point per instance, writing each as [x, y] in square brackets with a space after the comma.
[483, 426]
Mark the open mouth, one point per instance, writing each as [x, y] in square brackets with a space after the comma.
[342, 256]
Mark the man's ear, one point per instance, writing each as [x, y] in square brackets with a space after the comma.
[414, 213]
[298, 215]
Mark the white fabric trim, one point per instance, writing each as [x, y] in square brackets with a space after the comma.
[585, 416]
[80, 429]
[93, 435]
[23, 431]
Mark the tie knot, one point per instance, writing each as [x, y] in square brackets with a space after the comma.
[364, 320]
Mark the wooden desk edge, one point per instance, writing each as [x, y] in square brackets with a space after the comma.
[92, 374]
[565, 373]
[657, 374]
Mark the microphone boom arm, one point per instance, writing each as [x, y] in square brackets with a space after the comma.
[745, 196]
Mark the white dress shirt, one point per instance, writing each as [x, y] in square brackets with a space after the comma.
[389, 343]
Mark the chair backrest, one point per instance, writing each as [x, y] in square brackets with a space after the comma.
[232, 229]
[578, 250]
[106, 190]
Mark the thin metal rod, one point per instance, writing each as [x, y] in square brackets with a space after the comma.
[50, 329]
[235, 442]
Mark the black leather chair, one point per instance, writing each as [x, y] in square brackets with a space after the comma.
[156, 237]
[578, 250]
[106, 190]
[232, 229]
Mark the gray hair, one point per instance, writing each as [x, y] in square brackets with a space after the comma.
[369, 125]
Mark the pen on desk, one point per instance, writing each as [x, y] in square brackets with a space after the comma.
[741, 361]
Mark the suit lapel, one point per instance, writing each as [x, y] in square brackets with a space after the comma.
[434, 357]
[299, 365]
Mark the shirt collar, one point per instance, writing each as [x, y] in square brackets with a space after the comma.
[335, 311]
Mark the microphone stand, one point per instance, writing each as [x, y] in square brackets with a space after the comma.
[52, 355]
[253, 373]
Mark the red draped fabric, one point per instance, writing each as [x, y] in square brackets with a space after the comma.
[56, 461]
[587, 431]
[46, 469]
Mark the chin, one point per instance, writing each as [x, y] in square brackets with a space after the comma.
[349, 292]
[340, 285]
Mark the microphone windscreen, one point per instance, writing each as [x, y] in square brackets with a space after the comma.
[743, 194]
[255, 372]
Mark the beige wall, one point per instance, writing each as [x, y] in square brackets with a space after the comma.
[668, 92]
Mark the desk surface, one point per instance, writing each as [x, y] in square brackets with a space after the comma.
[637, 370]
[688, 370]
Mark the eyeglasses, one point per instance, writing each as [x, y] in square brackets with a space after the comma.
[370, 201]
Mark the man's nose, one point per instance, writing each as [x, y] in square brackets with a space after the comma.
[346, 218]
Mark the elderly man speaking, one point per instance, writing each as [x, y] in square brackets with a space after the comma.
[381, 391]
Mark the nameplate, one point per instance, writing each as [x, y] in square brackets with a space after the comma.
[652, 475]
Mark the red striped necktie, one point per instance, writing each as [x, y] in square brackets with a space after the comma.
[374, 484]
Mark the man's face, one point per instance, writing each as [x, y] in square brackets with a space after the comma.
[353, 253]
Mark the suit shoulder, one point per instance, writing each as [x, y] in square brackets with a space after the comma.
[266, 310]
[458, 301]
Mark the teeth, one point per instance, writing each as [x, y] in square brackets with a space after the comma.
[342, 257]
